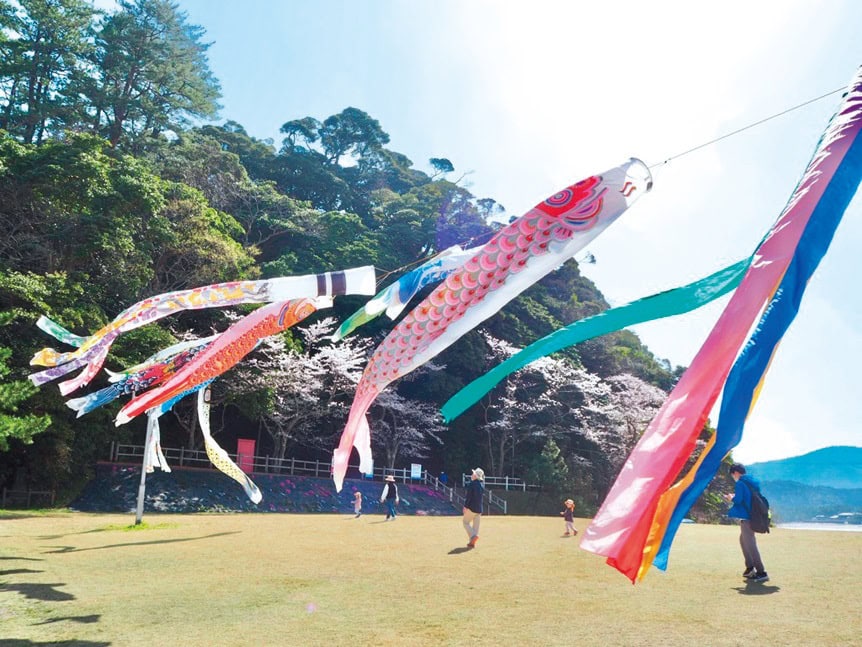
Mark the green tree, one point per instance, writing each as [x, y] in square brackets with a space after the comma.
[12, 394]
[42, 63]
[351, 131]
[549, 468]
[151, 72]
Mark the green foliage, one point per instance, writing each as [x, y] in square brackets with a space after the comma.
[12, 395]
[151, 72]
[549, 468]
[42, 64]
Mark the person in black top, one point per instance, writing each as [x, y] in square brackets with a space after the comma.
[473, 505]
[390, 495]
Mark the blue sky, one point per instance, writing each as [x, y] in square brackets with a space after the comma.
[529, 97]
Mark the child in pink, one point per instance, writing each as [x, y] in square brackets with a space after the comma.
[357, 503]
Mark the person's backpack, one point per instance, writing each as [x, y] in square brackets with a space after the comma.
[759, 517]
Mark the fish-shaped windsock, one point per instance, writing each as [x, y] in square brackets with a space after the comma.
[149, 373]
[396, 296]
[224, 352]
[91, 351]
[516, 257]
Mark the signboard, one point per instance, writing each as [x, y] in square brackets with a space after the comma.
[416, 470]
[245, 454]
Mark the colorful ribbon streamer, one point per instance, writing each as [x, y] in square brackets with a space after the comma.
[749, 372]
[657, 306]
[621, 530]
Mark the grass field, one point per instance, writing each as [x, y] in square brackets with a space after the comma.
[271, 579]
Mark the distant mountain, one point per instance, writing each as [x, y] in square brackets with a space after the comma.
[819, 486]
[792, 501]
[835, 467]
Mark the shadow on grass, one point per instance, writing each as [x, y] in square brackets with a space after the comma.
[72, 549]
[115, 527]
[45, 592]
[82, 532]
[81, 619]
[28, 559]
[459, 550]
[753, 588]
[71, 643]
[18, 571]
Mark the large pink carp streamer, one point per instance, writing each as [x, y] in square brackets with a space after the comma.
[515, 258]
[632, 520]
[92, 350]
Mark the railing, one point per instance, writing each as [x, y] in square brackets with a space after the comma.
[505, 482]
[122, 453]
[26, 496]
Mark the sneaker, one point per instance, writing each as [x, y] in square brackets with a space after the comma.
[749, 573]
[473, 541]
[760, 577]
[567, 533]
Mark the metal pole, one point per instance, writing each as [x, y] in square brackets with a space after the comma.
[139, 514]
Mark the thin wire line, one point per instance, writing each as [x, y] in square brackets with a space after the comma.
[739, 130]
[464, 245]
[387, 273]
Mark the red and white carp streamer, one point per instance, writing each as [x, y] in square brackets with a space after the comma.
[513, 260]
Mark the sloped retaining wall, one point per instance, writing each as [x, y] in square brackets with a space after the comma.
[115, 489]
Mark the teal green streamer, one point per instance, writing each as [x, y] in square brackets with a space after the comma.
[657, 306]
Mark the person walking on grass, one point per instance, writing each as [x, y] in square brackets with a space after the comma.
[473, 505]
[357, 503]
[741, 509]
[569, 516]
[390, 496]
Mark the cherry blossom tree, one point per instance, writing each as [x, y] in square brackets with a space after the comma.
[403, 427]
[305, 391]
[595, 422]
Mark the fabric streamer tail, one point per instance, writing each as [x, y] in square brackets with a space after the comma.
[219, 457]
[747, 376]
[59, 333]
[664, 304]
[624, 524]
[85, 404]
[356, 434]
[153, 452]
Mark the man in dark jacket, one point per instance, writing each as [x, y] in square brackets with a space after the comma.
[741, 509]
[390, 496]
[473, 505]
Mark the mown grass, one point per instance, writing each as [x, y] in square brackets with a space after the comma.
[268, 579]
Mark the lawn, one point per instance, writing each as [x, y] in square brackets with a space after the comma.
[273, 579]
